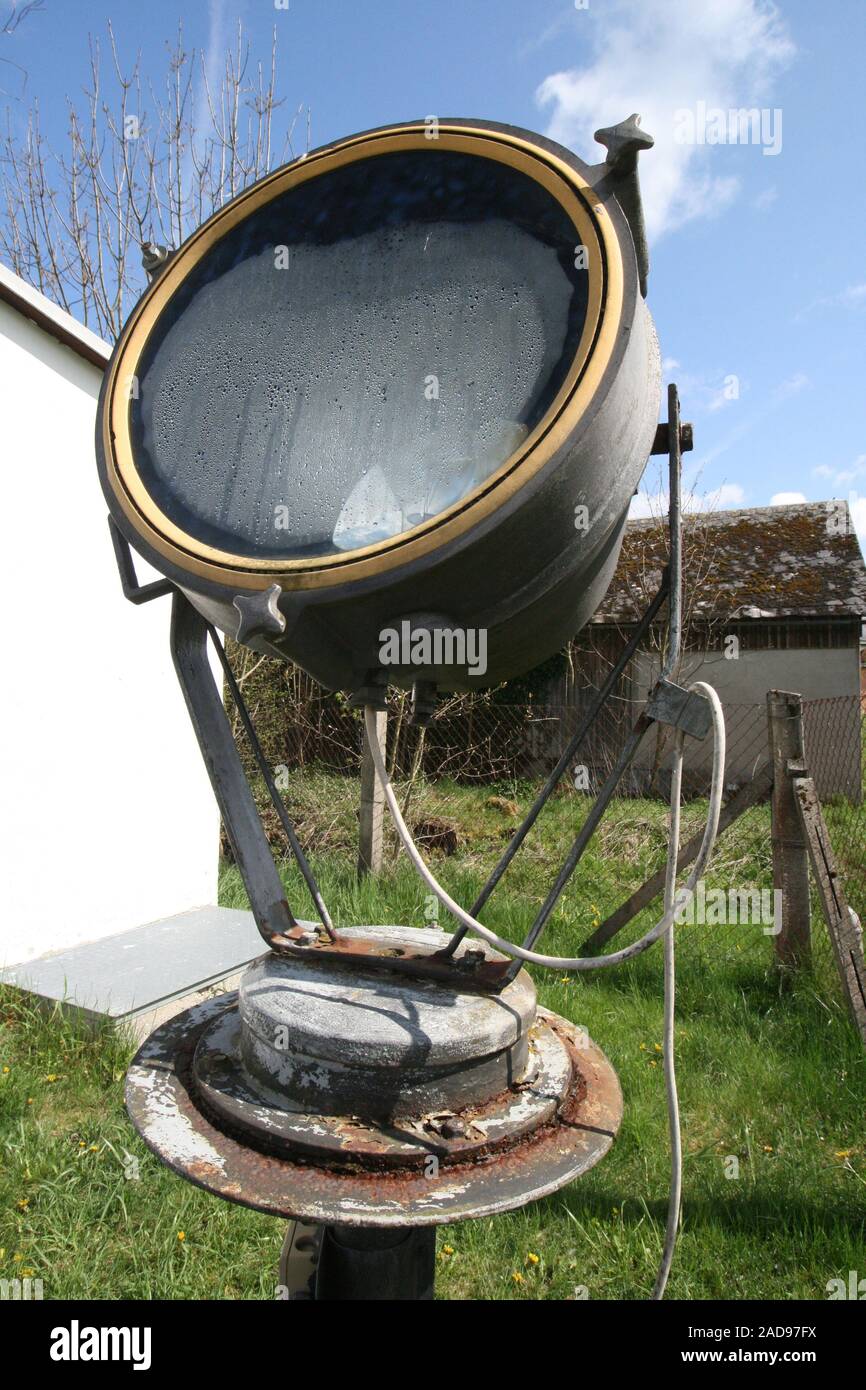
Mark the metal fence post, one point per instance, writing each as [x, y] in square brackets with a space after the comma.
[790, 851]
[372, 808]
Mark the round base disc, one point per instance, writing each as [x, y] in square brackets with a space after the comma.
[163, 1105]
[346, 1040]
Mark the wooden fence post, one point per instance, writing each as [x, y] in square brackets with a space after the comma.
[372, 809]
[846, 937]
[790, 851]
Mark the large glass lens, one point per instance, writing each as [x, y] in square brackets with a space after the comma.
[358, 354]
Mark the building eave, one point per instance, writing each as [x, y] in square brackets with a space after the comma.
[34, 305]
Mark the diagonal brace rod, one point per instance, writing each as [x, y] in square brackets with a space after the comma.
[587, 830]
[273, 791]
[571, 748]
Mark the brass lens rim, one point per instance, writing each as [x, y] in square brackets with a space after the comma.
[594, 230]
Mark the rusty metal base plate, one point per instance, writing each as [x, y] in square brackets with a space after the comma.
[266, 1120]
[168, 1110]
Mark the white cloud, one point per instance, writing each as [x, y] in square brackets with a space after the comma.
[726, 393]
[767, 198]
[852, 297]
[728, 495]
[208, 66]
[566, 20]
[841, 476]
[704, 391]
[792, 386]
[656, 503]
[215, 48]
[787, 499]
[840, 480]
[659, 57]
[772, 402]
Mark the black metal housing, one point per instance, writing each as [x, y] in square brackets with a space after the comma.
[526, 573]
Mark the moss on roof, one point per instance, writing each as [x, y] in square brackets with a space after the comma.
[798, 561]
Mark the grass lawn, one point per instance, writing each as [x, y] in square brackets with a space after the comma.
[772, 1084]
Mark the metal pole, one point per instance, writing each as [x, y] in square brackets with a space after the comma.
[367, 1264]
[669, 667]
[221, 758]
[675, 527]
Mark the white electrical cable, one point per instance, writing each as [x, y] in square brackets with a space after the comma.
[673, 1100]
[509, 948]
[671, 905]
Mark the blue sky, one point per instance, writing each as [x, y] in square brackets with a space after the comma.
[758, 274]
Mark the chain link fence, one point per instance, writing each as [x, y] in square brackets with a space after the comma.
[835, 737]
[466, 781]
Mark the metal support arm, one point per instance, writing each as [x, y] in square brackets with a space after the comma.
[189, 633]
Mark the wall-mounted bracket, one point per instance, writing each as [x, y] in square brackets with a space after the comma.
[662, 441]
[688, 710]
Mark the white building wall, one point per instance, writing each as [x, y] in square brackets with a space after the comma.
[816, 673]
[832, 733]
[107, 820]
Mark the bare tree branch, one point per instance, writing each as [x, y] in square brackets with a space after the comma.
[17, 13]
[142, 161]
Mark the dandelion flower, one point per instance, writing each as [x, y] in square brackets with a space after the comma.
[532, 1258]
[181, 1235]
[517, 1277]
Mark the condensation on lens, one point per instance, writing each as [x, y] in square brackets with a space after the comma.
[317, 399]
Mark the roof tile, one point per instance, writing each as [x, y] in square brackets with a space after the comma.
[797, 561]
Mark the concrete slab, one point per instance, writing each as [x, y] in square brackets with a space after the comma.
[149, 973]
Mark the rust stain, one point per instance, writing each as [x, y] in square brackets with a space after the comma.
[577, 1136]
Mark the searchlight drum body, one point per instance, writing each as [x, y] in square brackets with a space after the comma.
[408, 383]
[402, 388]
